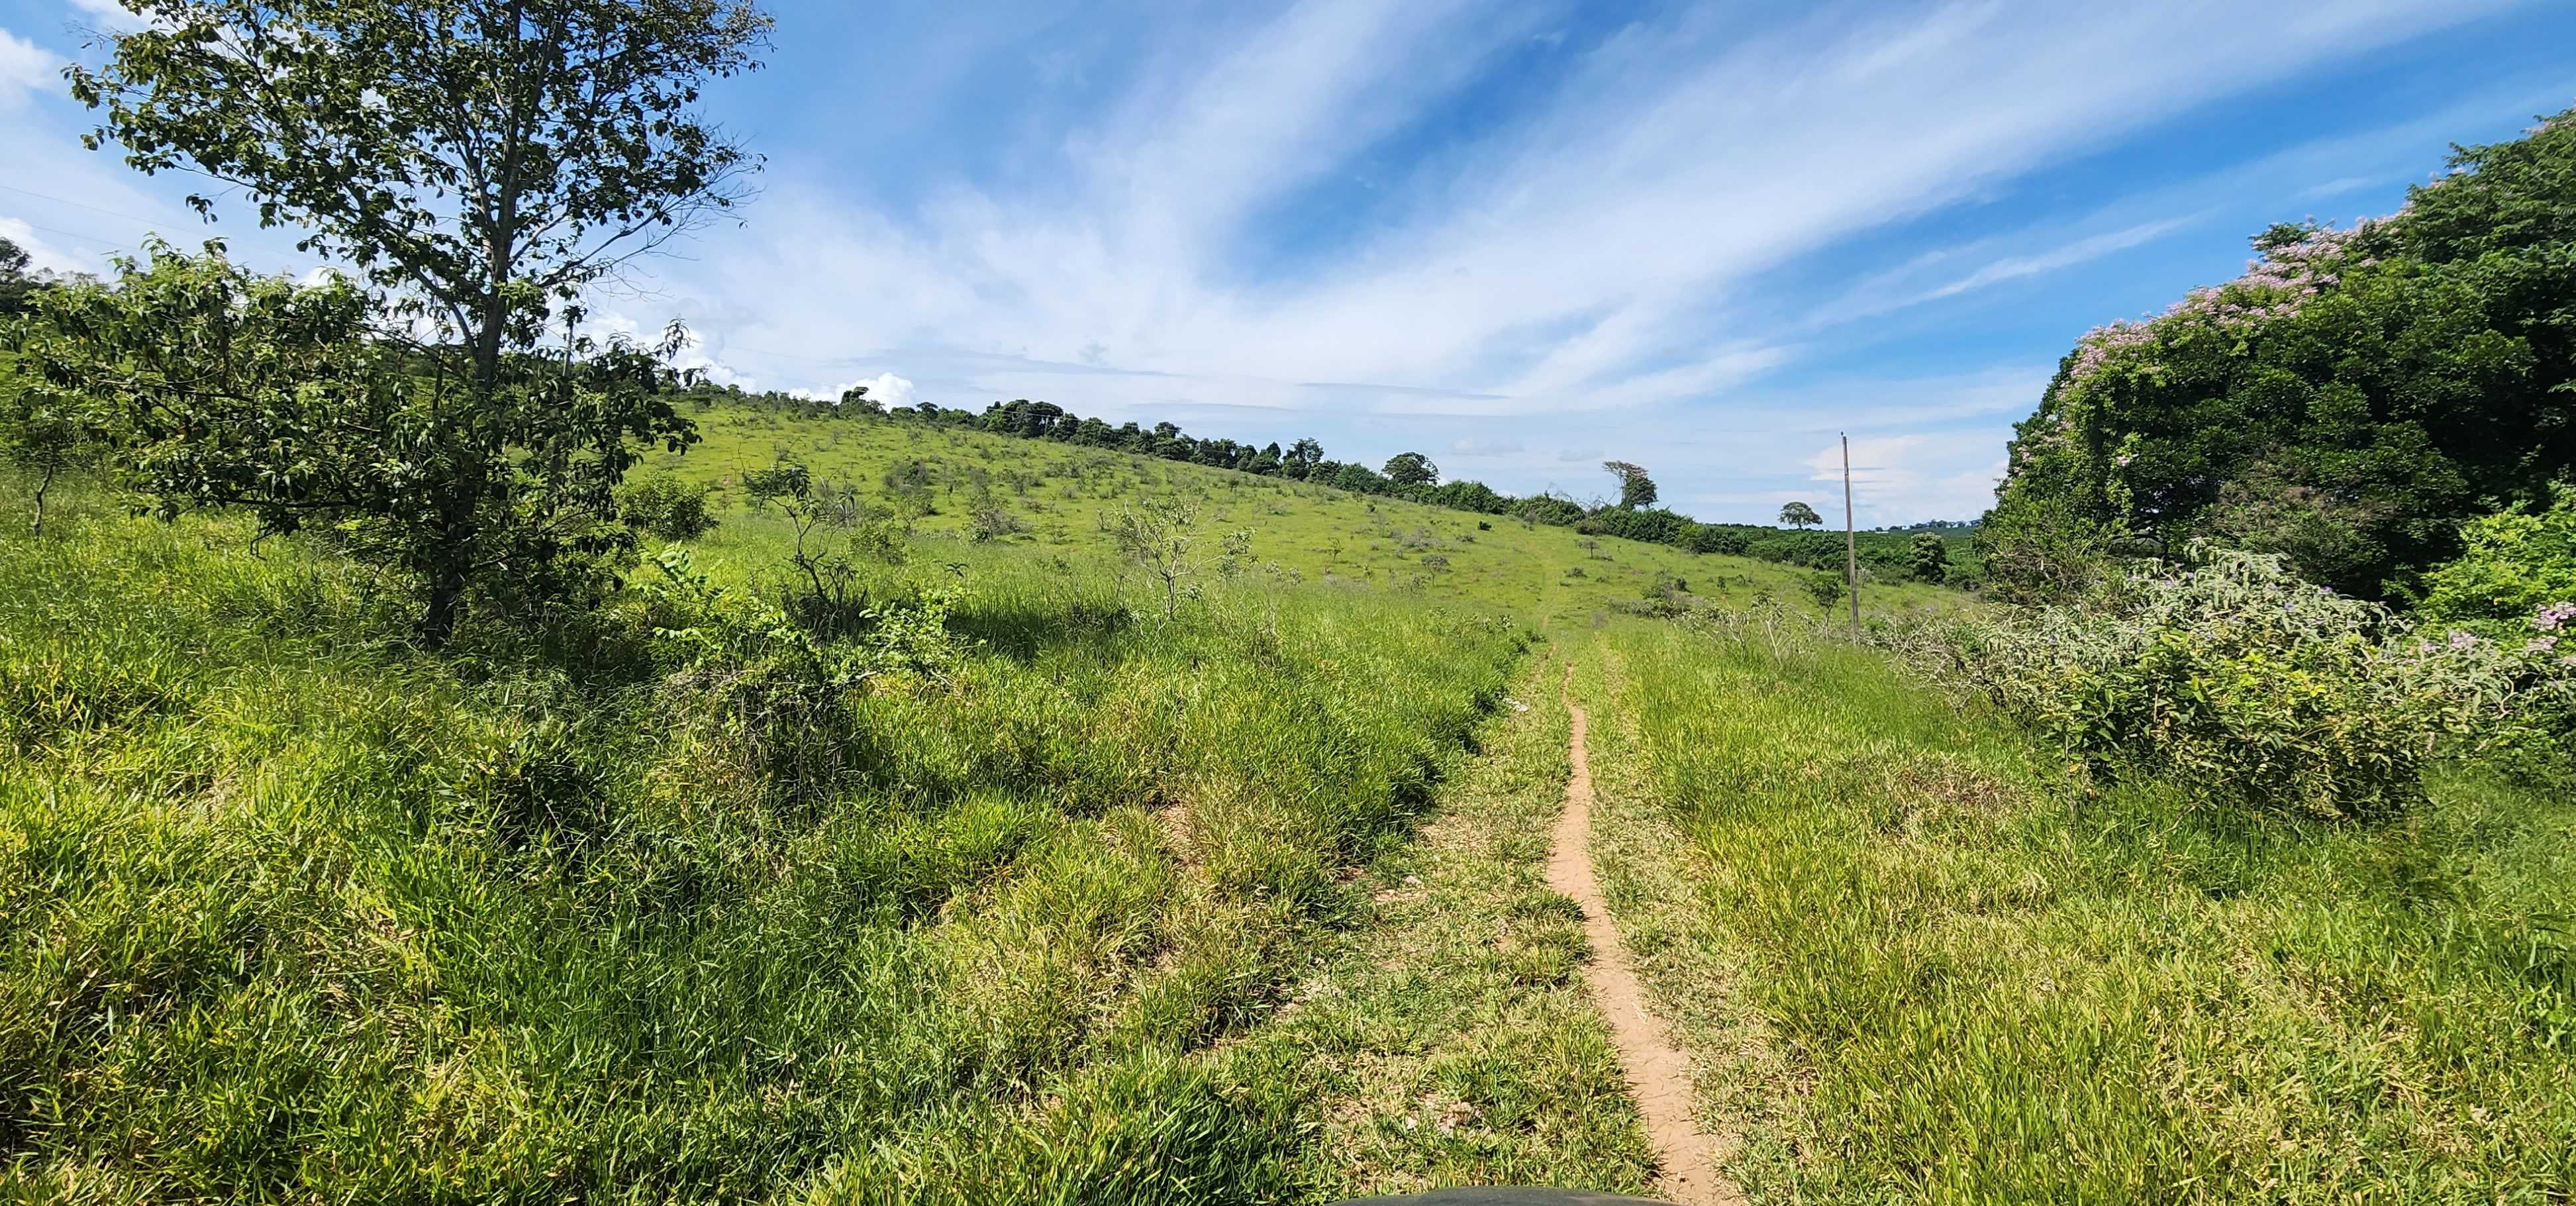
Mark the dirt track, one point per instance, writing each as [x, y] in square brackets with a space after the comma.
[1658, 1072]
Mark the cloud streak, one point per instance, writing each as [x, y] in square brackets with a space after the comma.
[1570, 259]
[1519, 228]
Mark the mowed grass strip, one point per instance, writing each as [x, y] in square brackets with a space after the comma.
[291, 912]
[1982, 986]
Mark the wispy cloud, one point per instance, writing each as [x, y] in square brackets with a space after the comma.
[2013, 268]
[1422, 223]
[1560, 261]
[24, 68]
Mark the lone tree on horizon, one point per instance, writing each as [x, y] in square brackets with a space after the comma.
[1635, 488]
[1800, 516]
[1412, 469]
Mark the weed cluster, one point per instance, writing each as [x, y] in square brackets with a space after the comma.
[2227, 672]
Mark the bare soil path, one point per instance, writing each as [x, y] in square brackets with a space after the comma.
[1658, 1072]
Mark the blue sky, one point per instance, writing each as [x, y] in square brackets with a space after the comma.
[1520, 237]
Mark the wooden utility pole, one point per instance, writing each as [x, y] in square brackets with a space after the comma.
[1851, 542]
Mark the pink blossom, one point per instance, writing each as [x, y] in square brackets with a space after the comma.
[2462, 639]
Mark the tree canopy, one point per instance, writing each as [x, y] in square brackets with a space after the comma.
[2346, 403]
[216, 388]
[1412, 469]
[479, 163]
[1635, 488]
[1800, 515]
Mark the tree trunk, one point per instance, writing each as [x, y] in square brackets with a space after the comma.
[42, 484]
[438, 623]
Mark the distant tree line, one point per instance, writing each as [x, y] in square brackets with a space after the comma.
[1414, 477]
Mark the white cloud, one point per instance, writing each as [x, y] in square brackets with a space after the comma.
[1558, 261]
[25, 68]
[1602, 261]
[2014, 268]
[109, 13]
[2338, 187]
[895, 392]
[41, 256]
[1909, 478]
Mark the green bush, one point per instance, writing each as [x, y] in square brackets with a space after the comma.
[665, 507]
[1827, 588]
[2514, 565]
[2228, 674]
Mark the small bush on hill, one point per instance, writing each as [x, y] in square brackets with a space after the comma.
[666, 508]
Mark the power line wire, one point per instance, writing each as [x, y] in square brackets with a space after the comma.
[29, 192]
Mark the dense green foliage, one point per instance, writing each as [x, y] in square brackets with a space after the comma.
[1970, 983]
[2516, 565]
[209, 387]
[665, 508]
[479, 163]
[2232, 678]
[2346, 404]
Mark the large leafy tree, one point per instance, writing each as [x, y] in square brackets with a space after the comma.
[2346, 403]
[1412, 469]
[217, 388]
[1800, 516]
[479, 163]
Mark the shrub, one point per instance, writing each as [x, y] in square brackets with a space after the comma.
[1706, 539]
[666, 508]
[2229, 675]
[2515, 564]
[1929, 558]
[1826, 588]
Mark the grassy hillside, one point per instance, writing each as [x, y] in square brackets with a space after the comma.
[289, 911]
[1318, 534]
[290, 908]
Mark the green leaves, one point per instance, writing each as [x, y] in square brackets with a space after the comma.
[2226, 673]
[479, 163]
[2347, 402]
[215, 388]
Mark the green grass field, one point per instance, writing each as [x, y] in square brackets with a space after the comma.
[289, 912]
[1241, 905]
[1949, 976]
[1318, 535]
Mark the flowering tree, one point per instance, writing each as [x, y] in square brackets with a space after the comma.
[2348, 400]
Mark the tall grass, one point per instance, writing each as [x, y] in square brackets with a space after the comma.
[289, 912]
[1990, 986]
